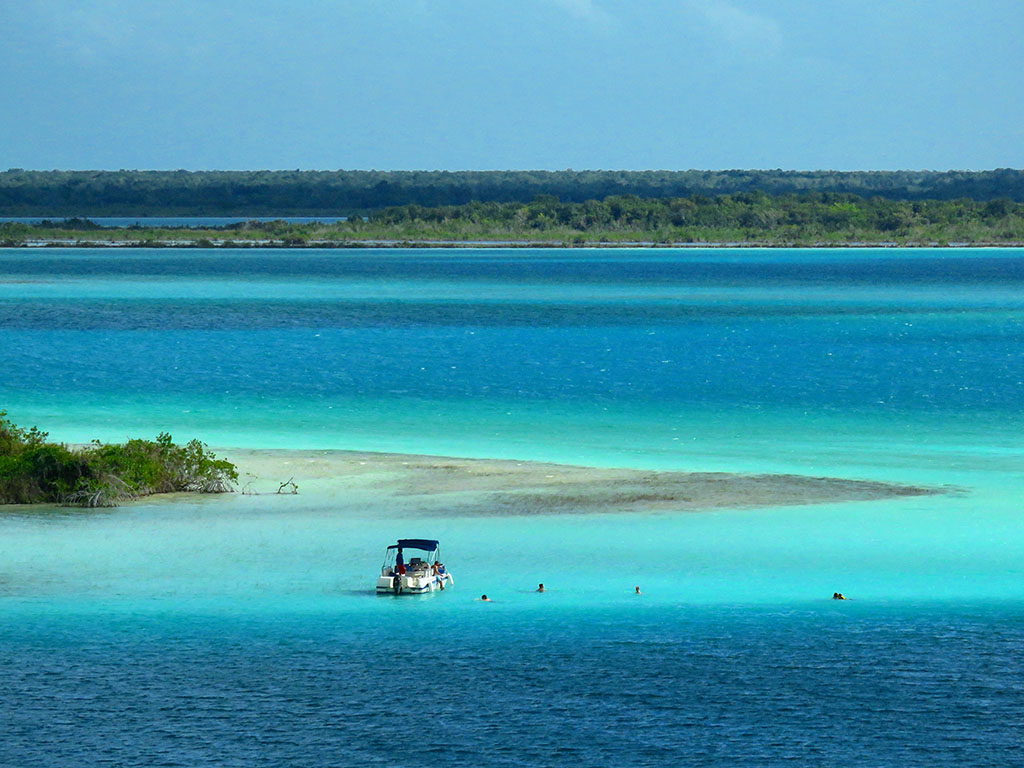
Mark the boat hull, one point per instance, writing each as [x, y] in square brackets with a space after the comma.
[408, 585]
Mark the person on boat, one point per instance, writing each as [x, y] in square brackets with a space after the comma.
[400, 562]
[540, 588]
[441, 572]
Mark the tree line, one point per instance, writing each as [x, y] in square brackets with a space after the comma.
[258, 193]
[751, 217]
[754, 211]
[807, 218]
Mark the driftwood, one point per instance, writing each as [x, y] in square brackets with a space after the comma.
[246, 489]
[287, 487]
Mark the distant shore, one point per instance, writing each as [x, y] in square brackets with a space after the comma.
[432, 485]
[463, 244]
[742, 220]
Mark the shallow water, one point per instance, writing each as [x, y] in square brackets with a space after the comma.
[241, 630]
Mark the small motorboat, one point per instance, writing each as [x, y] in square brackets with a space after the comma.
[406, 574]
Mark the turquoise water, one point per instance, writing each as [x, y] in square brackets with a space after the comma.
[242, 631]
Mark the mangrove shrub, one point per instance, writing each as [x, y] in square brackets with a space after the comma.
[34, 471]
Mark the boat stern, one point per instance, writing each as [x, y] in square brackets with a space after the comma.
[406, 585]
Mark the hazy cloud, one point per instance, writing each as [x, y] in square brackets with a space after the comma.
[737, 26]
[101, 31]
[588, 11]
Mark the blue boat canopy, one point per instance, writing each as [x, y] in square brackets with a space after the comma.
[427, 545]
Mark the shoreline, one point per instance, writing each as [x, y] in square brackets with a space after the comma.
[421, 484]
[228, 244]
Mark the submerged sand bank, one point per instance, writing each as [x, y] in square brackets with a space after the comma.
[478, 487]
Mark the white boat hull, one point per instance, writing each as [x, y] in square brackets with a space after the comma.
[408, 585]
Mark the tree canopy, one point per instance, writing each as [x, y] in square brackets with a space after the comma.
[810, 218]
[258, 193]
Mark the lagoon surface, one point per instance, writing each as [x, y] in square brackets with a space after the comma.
[242, 629]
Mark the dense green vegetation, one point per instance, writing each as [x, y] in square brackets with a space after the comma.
[813, 218]
[747, 217]
[280, 193]
[34, 471]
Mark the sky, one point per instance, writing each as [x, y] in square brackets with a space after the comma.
[512, 84]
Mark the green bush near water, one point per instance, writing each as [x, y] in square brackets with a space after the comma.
[34, 471]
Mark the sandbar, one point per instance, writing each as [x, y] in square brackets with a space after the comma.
[501, 487]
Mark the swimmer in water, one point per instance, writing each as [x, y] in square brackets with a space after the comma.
[838, 596]
[486, 599]
[638, 590]
[540, 588]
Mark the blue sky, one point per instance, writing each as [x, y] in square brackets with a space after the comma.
[512, 84]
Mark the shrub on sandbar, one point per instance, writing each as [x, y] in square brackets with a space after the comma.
[100, 475]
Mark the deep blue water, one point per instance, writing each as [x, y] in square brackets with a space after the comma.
[241, 631]
[696, 686]
[846, 330]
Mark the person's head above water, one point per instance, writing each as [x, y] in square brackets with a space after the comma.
[540, 587]
[638, 590]
[485, 598]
